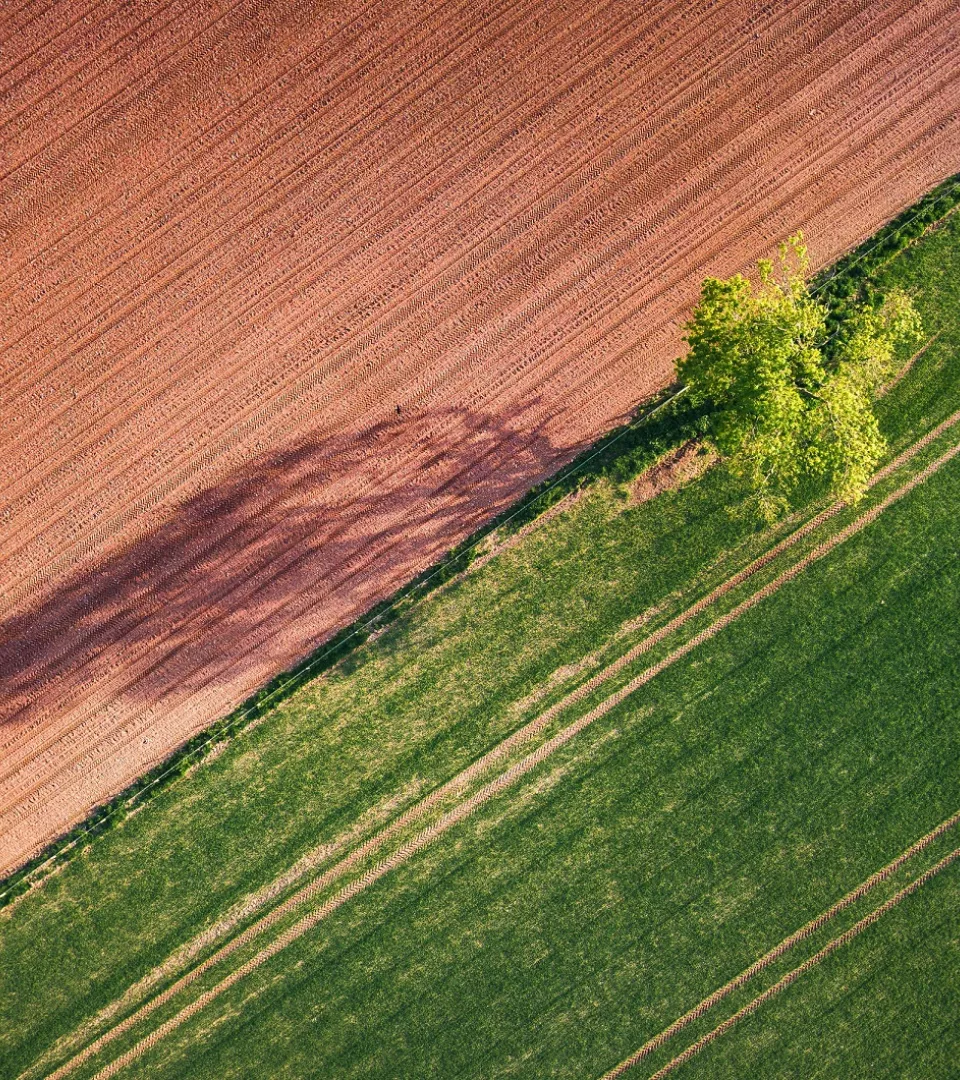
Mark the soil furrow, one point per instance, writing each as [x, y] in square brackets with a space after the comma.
[512, 282]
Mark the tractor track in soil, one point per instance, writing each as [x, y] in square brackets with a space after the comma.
[235, 241]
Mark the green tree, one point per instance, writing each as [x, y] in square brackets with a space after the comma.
[785, 404]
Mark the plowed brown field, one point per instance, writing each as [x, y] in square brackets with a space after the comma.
[295, 294]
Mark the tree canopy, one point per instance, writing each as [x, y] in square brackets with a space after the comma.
[785, 403]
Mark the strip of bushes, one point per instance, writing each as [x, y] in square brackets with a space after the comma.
[660, 425]
[852, 280]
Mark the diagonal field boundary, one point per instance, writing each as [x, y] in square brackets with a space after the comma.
[421, 584]
[427, 835]
[895, 229]
[432, 574]
[777, 951]
[324, 852]
[817, 958]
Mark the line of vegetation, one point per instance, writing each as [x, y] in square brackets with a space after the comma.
[852, 279]
[465, 667]
[660, 425]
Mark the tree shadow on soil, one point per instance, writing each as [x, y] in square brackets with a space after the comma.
[249, 576]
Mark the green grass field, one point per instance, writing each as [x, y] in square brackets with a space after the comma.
[886, 1007]
[581, 909]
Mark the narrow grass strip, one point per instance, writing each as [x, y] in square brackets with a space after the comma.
[791, 977]
[774, 954]
[452, 817]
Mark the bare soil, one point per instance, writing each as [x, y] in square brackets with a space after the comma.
[237, 236]
[674, 470]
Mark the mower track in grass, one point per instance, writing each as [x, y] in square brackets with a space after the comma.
[458, 813]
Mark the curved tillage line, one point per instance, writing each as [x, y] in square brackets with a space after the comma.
[791, 977]
[432, 190]
[355, 79]
[216, 538]
[452, 817]
[806, 931]
[341, 198]
[102, 30]
[126, 87]
[33, 52]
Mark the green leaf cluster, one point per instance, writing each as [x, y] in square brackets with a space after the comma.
[783, 410]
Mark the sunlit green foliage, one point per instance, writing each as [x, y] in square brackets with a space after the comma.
[782, 408]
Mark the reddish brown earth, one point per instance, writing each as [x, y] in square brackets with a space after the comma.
[237, 235]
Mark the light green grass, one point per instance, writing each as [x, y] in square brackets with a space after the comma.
[721, 808]
[844, 703]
